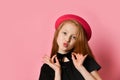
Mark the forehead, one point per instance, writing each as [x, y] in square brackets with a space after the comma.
[70, 27]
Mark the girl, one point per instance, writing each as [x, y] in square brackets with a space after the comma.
[71, 57]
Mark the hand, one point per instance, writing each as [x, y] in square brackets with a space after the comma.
[50, 61]
[78, 59]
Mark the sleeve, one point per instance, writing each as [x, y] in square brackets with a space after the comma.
[46, 73]
[90, 64]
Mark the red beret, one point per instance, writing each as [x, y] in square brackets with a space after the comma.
[80, 20]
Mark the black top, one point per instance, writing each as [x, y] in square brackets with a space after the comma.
[69, 72]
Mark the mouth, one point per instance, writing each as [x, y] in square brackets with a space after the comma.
[65, 44]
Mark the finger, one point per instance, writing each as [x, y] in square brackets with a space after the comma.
[85, 56]
[46, 56]
[53, 58]
[73, 53]
[80, 55]
[56, 60]
[73, 57]
[46, 59]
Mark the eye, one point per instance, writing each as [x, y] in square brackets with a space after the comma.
[65, 33]
[74, 37]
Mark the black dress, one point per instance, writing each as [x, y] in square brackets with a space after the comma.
[69, 72]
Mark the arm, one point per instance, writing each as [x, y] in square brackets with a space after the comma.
[57, 75]
[78, 60]
[89, 76]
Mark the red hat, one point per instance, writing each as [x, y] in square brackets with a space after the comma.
[80, 20]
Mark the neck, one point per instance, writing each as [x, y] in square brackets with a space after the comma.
[64, 57]
[63, 52]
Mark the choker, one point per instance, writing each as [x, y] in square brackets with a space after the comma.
[62, 56]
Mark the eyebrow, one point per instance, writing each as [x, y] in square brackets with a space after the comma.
[68, 31]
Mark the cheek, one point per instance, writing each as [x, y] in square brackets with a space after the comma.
[73, 43]
[59, 40]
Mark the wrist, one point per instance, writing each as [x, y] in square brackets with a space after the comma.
[58, 75]
[80, 67]
[58, 71]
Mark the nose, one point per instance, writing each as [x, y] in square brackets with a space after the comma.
[68, 38]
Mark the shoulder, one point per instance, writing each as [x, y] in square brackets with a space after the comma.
[91, 64]
[46, 73]
[46, 68]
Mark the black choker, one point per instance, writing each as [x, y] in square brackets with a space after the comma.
[62, 56]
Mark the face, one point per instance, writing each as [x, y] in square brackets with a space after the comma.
[67, 37]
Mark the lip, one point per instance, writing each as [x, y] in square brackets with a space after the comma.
[65, 44]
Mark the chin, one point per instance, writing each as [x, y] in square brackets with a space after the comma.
[65, 49]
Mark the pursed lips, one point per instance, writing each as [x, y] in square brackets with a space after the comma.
[65, 44]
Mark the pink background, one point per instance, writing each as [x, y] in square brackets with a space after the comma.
[26, 32]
